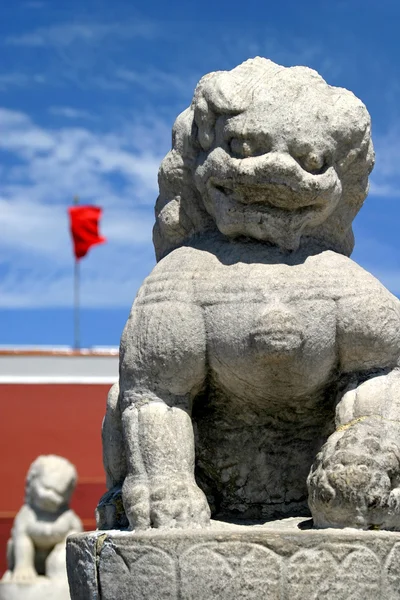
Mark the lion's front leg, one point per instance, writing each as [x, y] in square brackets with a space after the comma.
[160, 489]
[109, 512]
[355, 480]
[23, 552]
[56, 561]
[113, 444]
[148, 436]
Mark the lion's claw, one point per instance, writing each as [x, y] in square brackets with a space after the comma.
[165, 504]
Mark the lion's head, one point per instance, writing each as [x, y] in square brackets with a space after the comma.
[50, 482]
[266, 152]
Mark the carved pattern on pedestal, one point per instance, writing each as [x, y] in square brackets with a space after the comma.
[328, 572]
[250, 571]
[392, 571]
[142, 561]
[236, 572]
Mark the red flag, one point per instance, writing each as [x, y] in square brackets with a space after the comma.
[84, 225]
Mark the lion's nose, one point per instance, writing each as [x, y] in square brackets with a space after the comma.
[274, 167]
[281, 168]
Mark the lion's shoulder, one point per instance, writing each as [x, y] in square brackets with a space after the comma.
[174, 278]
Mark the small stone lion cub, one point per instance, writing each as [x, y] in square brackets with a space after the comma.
[37, 543]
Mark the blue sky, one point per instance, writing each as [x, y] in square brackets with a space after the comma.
[89, 91]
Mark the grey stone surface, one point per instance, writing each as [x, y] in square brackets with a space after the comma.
[277, 561]
[257, 355]
[42, 589]
[36, 549]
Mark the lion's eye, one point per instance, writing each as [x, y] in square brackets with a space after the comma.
[240, 148]
[313, 163]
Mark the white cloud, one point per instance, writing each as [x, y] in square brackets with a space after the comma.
[387, 148]
[44, 169]
[107, 83]
[111, 282]
[65, 34]
[18, 80]
[154, 80]
[384, 190]
[385, 179]
[378, 255]
[70, 113]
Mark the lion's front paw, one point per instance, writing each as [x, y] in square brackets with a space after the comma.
[353, 482]
[164, 503]
[23, 575]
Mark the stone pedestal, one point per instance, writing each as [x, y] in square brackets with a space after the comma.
[43, 589]
[282, 560]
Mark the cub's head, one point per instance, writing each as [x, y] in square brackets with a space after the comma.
[50, 483]
[266, 152]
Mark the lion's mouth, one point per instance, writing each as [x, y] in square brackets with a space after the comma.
[269, 197]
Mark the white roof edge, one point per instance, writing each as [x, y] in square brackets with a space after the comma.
[90, 380]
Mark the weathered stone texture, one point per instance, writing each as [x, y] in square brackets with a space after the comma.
[259, 367]
[229, 562]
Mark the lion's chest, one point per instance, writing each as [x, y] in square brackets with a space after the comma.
[46, 534]
[271, 347]
[270, 328]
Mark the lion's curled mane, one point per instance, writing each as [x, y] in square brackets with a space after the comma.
[180, 212]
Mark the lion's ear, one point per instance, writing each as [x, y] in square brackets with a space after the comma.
[216, 94]
[204, 118]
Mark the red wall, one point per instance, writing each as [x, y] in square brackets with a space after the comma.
[50, 419]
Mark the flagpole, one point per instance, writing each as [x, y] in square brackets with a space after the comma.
[77, 329]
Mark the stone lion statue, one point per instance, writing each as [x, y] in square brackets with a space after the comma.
[37, 544]
[259, 367]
